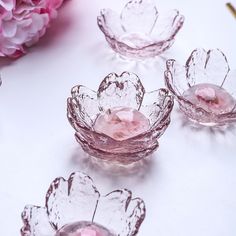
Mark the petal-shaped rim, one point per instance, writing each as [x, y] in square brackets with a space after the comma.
[77, 124]
[71, 193]
[165, 105]
[137, 10]
[175, 20]
[37, 220]
[120, 85]
[178, 20]
[137, 213]
[230, 83]
[122, 205]
[169, 81]
[102, 22]
[205, 62]
[82, 99]
[170, 68]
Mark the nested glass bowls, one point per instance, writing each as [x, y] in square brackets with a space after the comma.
[74, 207]
[86, 107]
[205, 88]
[139, 31]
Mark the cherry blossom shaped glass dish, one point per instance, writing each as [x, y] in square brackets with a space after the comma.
[205, 88]
[120, 123]
[139, 31]
[74, 207]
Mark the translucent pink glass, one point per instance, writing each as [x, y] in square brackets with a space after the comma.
[74, 207]
[205, 87]
[83, 228]
[140, 31]
[121, 123]
[127, 91]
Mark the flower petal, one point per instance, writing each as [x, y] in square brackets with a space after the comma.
[24, 22]
[71, 200]
[38, 22]
[36, 222]
[54, 4]
[8, 4]
[9, 28]
[207, 67]
[139, 16]
[124, 90]
[118, 211]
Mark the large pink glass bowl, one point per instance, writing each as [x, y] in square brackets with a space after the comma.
[140, 31]
[75, 207]
[205, 87]
[125, 90]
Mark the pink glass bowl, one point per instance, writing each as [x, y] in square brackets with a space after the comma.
[139, 31]
[205, 88]
[126, 90]
[74, 207]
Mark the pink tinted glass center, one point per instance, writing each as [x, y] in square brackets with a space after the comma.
[210, 97]
[136, 40]
[83, 228]
[87, 231]
[121, 123]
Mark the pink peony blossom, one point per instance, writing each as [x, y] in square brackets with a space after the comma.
[23, 22]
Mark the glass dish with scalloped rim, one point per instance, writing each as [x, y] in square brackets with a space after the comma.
[74, 207]
[121, 122]
[140, 31]
[205, 87]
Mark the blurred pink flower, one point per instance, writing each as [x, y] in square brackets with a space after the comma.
[23, 22]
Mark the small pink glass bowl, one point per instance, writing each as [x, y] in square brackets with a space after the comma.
[75, 207]
[139, 31]
[205, 88]
[124, 91]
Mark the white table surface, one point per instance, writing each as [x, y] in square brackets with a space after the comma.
[189, 185]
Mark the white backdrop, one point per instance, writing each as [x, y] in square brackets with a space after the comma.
[189, 185]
